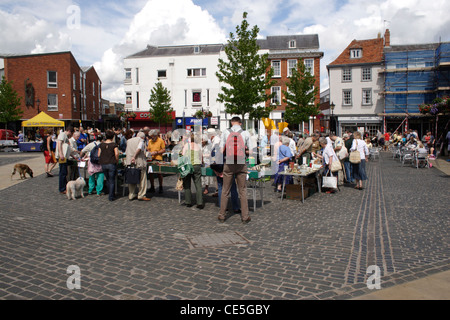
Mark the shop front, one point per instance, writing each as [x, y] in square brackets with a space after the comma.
[369, 124]
[143, 119]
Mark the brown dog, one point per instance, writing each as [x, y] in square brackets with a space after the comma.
[23, 169]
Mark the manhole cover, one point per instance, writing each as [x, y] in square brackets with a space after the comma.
[216, 239]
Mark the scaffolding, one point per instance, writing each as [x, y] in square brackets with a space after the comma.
[413, 75]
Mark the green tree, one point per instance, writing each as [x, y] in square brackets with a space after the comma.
[300, 96]
[160, 101]
[247, 75]
[9, 102]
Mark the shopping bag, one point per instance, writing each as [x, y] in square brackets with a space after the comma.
[336, 166]
[329, 182]
[184, 166]
[132, 175]
[355, 157]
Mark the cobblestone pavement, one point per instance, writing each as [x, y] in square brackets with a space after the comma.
[161, 250]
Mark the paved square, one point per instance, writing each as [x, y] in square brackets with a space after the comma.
[321, 249]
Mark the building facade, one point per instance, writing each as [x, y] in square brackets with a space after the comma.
[56, 84]
[189, 73]
[355, 86]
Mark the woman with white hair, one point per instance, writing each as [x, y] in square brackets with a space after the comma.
[359, 169]
[284, 156]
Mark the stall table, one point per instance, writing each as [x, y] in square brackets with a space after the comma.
[315, 172]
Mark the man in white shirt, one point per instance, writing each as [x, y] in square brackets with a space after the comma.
[62, 153]
[135, 155]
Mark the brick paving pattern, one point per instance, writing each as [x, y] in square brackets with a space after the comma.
[161, 250]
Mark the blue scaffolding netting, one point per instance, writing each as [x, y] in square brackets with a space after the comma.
[414, 77]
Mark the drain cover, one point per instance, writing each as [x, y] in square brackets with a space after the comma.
[216, 239]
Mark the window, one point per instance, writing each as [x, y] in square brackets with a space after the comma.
[93, 88]
[355, 53]
[128, 98]
[276, 100]
[196, 49]
[309, 66]
[366, 74]
[292, 64]
[366, 97]
[346, 75]
[52, 102]
[198, 72]
[162, 74]
[74, 103]
[137, 100]
[276, 66]
[137, 75]
[196, 97]
[93, 107]
[52, 79]
[74, 81]
[347, 97]
[128, 74]
[292, 44]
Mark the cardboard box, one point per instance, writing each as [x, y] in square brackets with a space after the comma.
[294, 192]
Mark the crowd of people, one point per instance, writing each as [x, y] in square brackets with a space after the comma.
[210, 148]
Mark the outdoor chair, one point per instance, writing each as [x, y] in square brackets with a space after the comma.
[373, 153]
[421, 160]
[408, 156]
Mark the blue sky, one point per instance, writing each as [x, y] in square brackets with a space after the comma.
[109, 30]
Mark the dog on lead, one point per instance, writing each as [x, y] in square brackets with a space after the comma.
[74, 188]
[22, 169]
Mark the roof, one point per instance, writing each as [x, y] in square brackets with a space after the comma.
[305, 41]
[308, 41]
[155, 51]
[372, 52]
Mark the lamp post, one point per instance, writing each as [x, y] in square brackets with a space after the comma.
[38, 103]
[332, 105]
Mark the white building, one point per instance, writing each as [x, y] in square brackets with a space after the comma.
[189, 73]
[355, 87]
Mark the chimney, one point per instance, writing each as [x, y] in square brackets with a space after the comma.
[387, 38]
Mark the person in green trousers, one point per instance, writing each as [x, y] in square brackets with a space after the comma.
[97, 177]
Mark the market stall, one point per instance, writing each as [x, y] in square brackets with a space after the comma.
[42, 120]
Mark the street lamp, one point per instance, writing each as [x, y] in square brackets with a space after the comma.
[332, 105]
[38, 103]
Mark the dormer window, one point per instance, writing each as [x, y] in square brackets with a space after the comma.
[197, 49]
[292, 44]
[355, 53]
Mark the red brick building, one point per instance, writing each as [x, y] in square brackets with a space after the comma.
[285, 52]
[56, 84]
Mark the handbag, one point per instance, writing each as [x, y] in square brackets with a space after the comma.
[355, 156]
[132, 175]
[329, 182]
[336, 166]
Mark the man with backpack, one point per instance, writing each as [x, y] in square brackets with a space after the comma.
[233, 144]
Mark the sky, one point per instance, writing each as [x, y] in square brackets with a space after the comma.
[102, 32]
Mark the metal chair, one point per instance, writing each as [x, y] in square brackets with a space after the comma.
[408, 155]
[373, 153]
[421, 160]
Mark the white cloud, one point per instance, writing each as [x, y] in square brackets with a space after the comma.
[158, 23]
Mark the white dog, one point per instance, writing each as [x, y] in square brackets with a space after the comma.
[74, 188]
